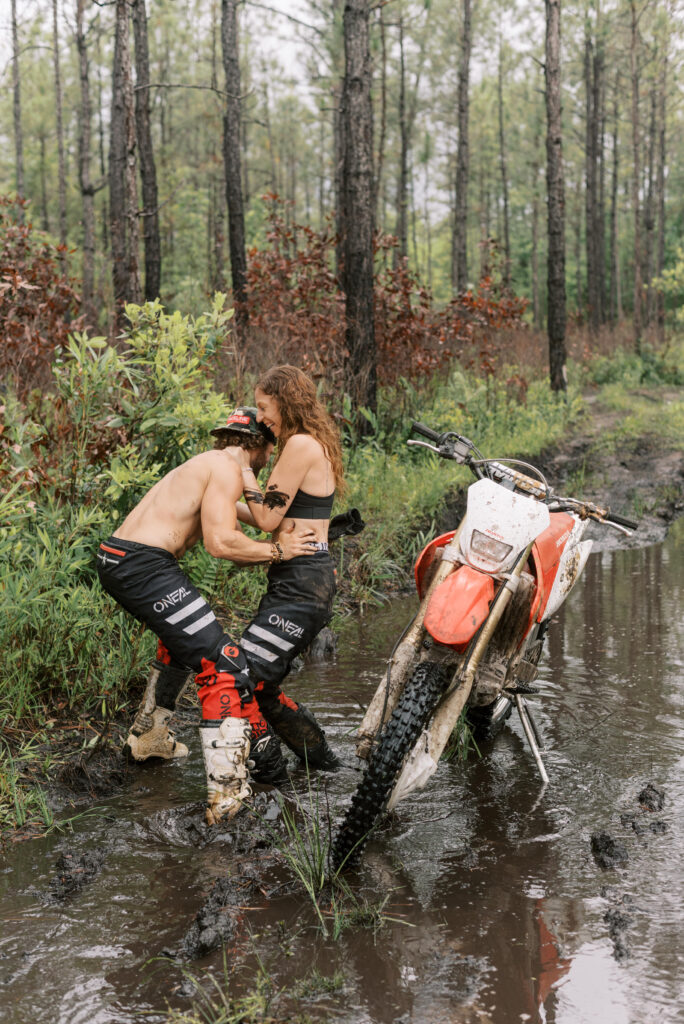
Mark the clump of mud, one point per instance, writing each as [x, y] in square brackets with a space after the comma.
[74, 871]
[218, 919]
[608, 852]
[89, 776]
[652, 798]
[619, 920]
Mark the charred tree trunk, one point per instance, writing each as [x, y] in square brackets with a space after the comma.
[660, 192]
[44, 212]
[591, 195]
[123, 191]
[357, 237]
[556, 199]
[85, 183]
[232, 161]
[615, 305]
[148, 170]
[16, 110]
[401, 252]
[61, 177]
[459, 261]
[377, 177]
[636, 170]
[504, 175]
[649, 212]
[534, 258]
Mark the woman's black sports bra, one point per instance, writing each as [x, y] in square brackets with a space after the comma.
[311, 506]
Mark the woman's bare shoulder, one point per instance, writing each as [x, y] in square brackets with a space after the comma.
[303, 444]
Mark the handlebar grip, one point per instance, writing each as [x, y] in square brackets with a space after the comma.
[629, 524]
[421, 428]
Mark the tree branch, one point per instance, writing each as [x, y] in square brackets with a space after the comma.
[284, 14]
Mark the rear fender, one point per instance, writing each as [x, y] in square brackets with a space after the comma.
[459, 606]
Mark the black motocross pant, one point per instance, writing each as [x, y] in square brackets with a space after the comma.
[149, 583]
[296, 606]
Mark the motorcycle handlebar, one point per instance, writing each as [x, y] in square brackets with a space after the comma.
[629, 524]
[421, 428]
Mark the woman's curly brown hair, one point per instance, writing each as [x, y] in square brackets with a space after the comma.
[301, 412]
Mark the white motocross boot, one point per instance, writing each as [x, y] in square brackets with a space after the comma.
[150, 735]
[226, 749]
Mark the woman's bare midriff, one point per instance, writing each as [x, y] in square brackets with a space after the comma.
[319, 527]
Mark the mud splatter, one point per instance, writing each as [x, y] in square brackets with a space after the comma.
[608, 852]
[74, 871]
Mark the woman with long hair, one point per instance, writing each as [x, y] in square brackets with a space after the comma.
[298, 602]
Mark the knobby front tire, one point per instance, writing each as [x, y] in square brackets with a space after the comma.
[415, 707]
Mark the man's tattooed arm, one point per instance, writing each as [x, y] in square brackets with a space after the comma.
[255, 496]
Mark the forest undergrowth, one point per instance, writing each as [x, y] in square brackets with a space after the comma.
[96, 422]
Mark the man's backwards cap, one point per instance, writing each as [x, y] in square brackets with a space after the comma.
[243, 420]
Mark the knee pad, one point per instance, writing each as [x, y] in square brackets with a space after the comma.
[229, 658]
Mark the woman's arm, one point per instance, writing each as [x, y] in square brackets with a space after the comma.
[269, 508]
[221, 534]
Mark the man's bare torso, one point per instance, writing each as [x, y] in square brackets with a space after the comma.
[170, 514]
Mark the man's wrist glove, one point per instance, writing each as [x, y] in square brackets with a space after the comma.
[346, 524]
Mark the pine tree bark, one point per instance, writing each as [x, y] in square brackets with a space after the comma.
[506, 275]
[123, 194]
[534, 256]
[377, 177]
[357, 235]
[649, 212]
[401, 252]
[233, 163]
[636, 170]
[660, 193]
[61, 177]
[16, 110]
[85, 183]
[148, 170]
[614, 259]
[459, 260]
[556, 199]
[592, 87]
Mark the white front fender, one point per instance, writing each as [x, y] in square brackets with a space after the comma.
[416, 773]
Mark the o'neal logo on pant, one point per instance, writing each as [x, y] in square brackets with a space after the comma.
[169, 600]
[291, 628]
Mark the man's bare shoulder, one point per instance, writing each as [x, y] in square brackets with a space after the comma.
[220, 466]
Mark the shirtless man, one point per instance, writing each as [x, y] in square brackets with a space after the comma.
[138, 566]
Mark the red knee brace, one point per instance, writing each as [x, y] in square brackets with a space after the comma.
[220, 699]
[163, 654]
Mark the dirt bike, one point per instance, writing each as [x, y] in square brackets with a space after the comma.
[487, 592]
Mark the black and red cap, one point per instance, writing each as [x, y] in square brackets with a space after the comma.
[243, 420]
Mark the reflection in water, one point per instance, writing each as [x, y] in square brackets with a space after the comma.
[498, 907]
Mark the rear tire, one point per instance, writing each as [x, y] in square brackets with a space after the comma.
[415, 708]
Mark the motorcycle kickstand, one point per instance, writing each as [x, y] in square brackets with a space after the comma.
[531, 733]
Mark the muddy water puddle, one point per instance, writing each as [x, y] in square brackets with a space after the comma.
[483, 900]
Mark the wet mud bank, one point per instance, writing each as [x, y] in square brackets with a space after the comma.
[480, 899]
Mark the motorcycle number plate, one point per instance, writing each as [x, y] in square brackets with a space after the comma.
[459, 606]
